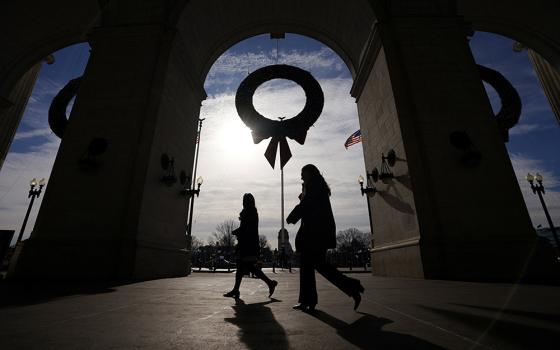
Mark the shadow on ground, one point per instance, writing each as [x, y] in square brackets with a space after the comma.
[367, 333]
[257, 322]
[20, 294]
[548, 317]
[512, 333]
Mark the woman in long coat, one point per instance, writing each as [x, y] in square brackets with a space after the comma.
[247, 249]
[316, 234]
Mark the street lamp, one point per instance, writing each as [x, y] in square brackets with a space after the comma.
[33, 193]
[198, 180]
[539, 190]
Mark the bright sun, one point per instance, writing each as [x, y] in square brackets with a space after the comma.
[235, 139]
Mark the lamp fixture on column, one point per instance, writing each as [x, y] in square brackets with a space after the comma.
[167, 164]
[89, 160]
[189, 192]
[370, 191]
[470, 156]
[387, 162]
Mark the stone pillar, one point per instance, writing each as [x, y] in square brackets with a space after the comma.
[12, 110]
[439, 217]
[550, 80]
[114, 218]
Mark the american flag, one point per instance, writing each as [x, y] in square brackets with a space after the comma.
[353, 139]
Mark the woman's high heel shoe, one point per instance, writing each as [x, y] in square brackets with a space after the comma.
[271, 288]
[357, 300]
[357, 297]
[232, 294]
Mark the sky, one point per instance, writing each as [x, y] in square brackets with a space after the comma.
[232, 165]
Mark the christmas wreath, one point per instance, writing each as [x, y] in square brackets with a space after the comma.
[294, 128]
[57, 109]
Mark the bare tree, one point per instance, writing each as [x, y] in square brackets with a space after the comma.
[265, 251]
[263, 242]
[352, 248]
[222, 236]
[196, 243]
[352, 239]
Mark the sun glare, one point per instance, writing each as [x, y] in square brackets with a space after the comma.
[234, 139]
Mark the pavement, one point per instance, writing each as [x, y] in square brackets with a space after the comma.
[191, 313]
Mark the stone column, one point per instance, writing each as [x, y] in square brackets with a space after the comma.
[550, 80]
[13, 109]
[439, 217]
[113, 217]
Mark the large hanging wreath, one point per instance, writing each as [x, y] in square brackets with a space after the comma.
[57, 110]
[294, 128]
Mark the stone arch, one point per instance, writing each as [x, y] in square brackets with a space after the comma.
[54, 27]
[210, 37]
[152, 72]
[534, 26]
[251, 32]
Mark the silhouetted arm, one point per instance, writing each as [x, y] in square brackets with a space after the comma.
[295, 215]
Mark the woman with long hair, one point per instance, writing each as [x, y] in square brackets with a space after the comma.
[247, 249]
[315, 236]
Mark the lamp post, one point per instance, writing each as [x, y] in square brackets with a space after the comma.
[539, 190]
[33, 193]
[198, 180]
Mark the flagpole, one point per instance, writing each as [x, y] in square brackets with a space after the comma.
[193, 182]
[282, 195]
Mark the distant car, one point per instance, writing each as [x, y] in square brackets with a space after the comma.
[221, 263]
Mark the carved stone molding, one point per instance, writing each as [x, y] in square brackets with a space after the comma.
[369, 56]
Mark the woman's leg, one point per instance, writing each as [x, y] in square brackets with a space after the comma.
[270, 283]
[239, 275]
[258, 272]
[307, 286]
[348, 285]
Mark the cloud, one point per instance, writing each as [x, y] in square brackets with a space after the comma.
[522, 129]
[232, 67]
[33, 133]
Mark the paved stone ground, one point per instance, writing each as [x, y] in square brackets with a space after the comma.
[190, 313]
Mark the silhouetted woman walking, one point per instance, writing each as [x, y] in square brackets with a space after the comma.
[247, 248]
[316, 234]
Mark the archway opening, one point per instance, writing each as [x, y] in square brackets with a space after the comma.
[34, 146]
[534, 141]
[232, 165]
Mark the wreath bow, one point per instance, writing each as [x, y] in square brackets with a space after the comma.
[294, 128]
[278, 138]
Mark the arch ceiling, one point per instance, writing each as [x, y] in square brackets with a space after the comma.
[342, 25]
[534, 24]
[32, 31]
